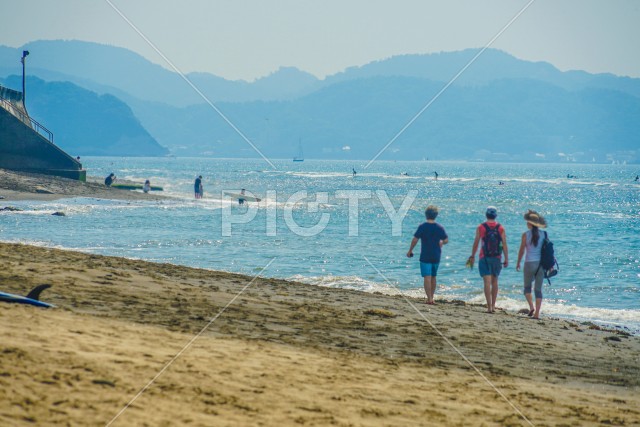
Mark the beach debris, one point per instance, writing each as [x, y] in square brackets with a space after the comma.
[379, 312]
[591, 325]
[41, 190]
[104, 382]
[58, 213]
[11, 209]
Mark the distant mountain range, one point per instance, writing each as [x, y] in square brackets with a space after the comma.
[501, 108]
[121, 72]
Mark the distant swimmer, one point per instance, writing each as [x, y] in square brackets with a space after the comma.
[637, 178]
[354, 171]
[435, 175]
[500, 183]
[110, 179]
[404, 174]
[570, 176]
[240, 200]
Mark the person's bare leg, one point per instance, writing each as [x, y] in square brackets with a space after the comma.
[494, 292]
[487, 291]
[538, 292]
[433, 288]
[427, 288]
[530, 301]
[536, 315]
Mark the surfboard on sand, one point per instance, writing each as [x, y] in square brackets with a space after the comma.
[246, 197]
[135, 187]
[33, 298]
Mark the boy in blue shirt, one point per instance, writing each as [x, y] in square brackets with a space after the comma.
[433, 237]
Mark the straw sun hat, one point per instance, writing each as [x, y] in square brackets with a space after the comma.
[535, 219]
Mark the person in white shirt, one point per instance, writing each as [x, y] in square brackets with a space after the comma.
[531, 244]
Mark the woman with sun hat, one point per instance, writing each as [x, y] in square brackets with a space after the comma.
[531, 244]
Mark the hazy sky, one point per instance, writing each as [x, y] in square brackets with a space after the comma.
[246, 39]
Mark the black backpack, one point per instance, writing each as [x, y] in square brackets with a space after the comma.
[492, 241]
[548, 261]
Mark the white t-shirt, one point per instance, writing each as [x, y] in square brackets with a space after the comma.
[533, 252]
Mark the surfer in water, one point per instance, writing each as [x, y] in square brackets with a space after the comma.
[435, 174]
[241, 201]
[637, 178]
[354, 172]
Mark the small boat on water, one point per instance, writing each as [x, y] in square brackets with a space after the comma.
[300, 156]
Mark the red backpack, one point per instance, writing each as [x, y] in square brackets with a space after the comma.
[492, 241]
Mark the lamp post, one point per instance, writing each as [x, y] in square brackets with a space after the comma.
[25, 53]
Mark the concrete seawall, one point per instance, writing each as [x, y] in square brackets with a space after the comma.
[23, 148]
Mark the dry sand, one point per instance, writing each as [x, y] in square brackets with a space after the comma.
[280, 353]
[283, 353]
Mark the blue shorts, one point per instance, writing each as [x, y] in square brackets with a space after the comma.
[490, 266]
[429, 268]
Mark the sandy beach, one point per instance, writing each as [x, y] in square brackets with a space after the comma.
[134, 343]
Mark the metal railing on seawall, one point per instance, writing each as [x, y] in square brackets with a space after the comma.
[24, 118]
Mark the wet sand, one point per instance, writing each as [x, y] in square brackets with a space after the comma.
[271, 352]
[29, 186]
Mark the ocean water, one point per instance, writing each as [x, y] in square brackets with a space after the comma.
[323, 226]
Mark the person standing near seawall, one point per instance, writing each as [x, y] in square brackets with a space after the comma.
[110, 179]
[494, 242]
[433, 237]
[532, 244]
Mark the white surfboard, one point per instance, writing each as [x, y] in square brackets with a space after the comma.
[246, 197]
